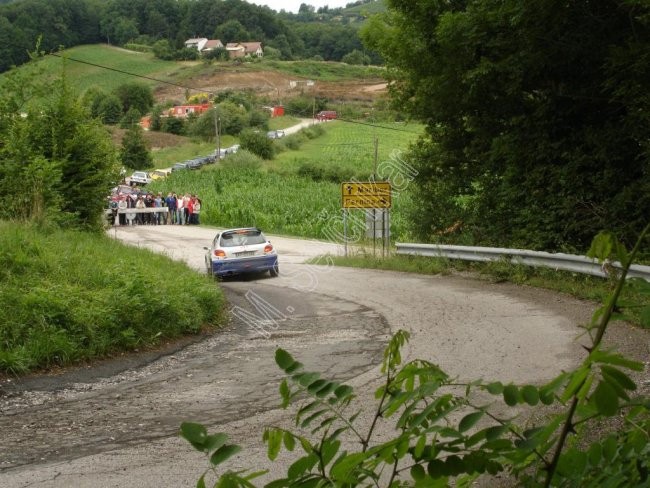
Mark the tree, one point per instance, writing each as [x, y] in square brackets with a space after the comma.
[134, 153]
[536, 117]
[356, 57]
[131, 118]
[135, 95]
[231, 31]
[163, 50]
[173, 126]
[57, 163]
[109, 109]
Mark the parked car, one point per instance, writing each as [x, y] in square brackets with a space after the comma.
[275, 134]
[179, 166]
[239, 251]
[139, 178]
[327, 115]
[159, 174]
[194, 163]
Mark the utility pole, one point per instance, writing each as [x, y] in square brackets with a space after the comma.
[217, 131]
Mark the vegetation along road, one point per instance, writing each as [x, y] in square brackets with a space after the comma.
[117, 424]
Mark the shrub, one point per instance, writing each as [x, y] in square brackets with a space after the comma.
[257, 143]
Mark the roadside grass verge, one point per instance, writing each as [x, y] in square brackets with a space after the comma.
[69, 297]
[276, 123]
[580, 286]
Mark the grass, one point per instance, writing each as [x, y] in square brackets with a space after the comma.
[82, 75]
[283, 122]
[70, 297]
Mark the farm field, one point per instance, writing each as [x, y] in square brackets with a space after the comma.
[283, 200]
[350, 147]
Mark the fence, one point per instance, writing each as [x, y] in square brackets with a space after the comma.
[557, 261]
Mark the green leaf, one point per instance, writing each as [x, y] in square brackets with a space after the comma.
[316, 385]
[577, 379]
[601, 246]
[329, 450]
[274, 439]
[283, 359]
[343, 391]
[418, 472]
[610, 448]
[313, 416]
[511, 395]
[606, 399]
[618, 376]
[419, 447]
[616, 359]
[307, 408]
[224, 453]
[301, 466]
[343, 468]
[194, 433]
[470, 420]
[215, 441]
[289, 441]
[495, 388]
[285, 393]
[530, 395]
[201, 482]
[493, 433]
[307, 379]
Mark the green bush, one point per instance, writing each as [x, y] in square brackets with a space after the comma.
[257, 143]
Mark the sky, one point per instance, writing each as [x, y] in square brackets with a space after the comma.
[293, 5]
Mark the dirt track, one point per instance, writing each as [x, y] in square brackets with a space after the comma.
[117, 426]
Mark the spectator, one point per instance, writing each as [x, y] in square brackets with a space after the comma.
[180, 210]
[139, 204]
[170, 201]
[196, 210]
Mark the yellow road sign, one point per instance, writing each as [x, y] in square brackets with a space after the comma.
[366, 194]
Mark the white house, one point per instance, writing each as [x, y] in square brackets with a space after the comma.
[197, 43]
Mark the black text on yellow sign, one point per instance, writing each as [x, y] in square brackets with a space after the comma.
[366, 194]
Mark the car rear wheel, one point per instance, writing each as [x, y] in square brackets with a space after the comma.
[275, 271]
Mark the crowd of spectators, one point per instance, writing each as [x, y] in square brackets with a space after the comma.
[181, 209]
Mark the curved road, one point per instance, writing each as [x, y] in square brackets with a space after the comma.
[110, 426]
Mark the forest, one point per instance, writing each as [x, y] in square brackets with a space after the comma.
[324, 34]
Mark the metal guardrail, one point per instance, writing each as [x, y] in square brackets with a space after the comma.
[557, 261]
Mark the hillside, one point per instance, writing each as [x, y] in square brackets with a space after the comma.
[107, 67]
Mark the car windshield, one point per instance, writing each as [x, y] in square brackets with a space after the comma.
[244, 237]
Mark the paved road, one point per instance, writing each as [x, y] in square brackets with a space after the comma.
[92, 428]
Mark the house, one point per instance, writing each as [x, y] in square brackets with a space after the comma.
[182, 111]
[253, 49]
[242, 49]
[211, 45]
[235, 50]
[197, 43]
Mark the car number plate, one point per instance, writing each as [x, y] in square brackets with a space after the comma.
[244, 254]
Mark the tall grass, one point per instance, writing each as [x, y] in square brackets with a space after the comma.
[68, 297]
[298, 193]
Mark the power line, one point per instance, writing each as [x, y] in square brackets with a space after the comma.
[203, 90]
